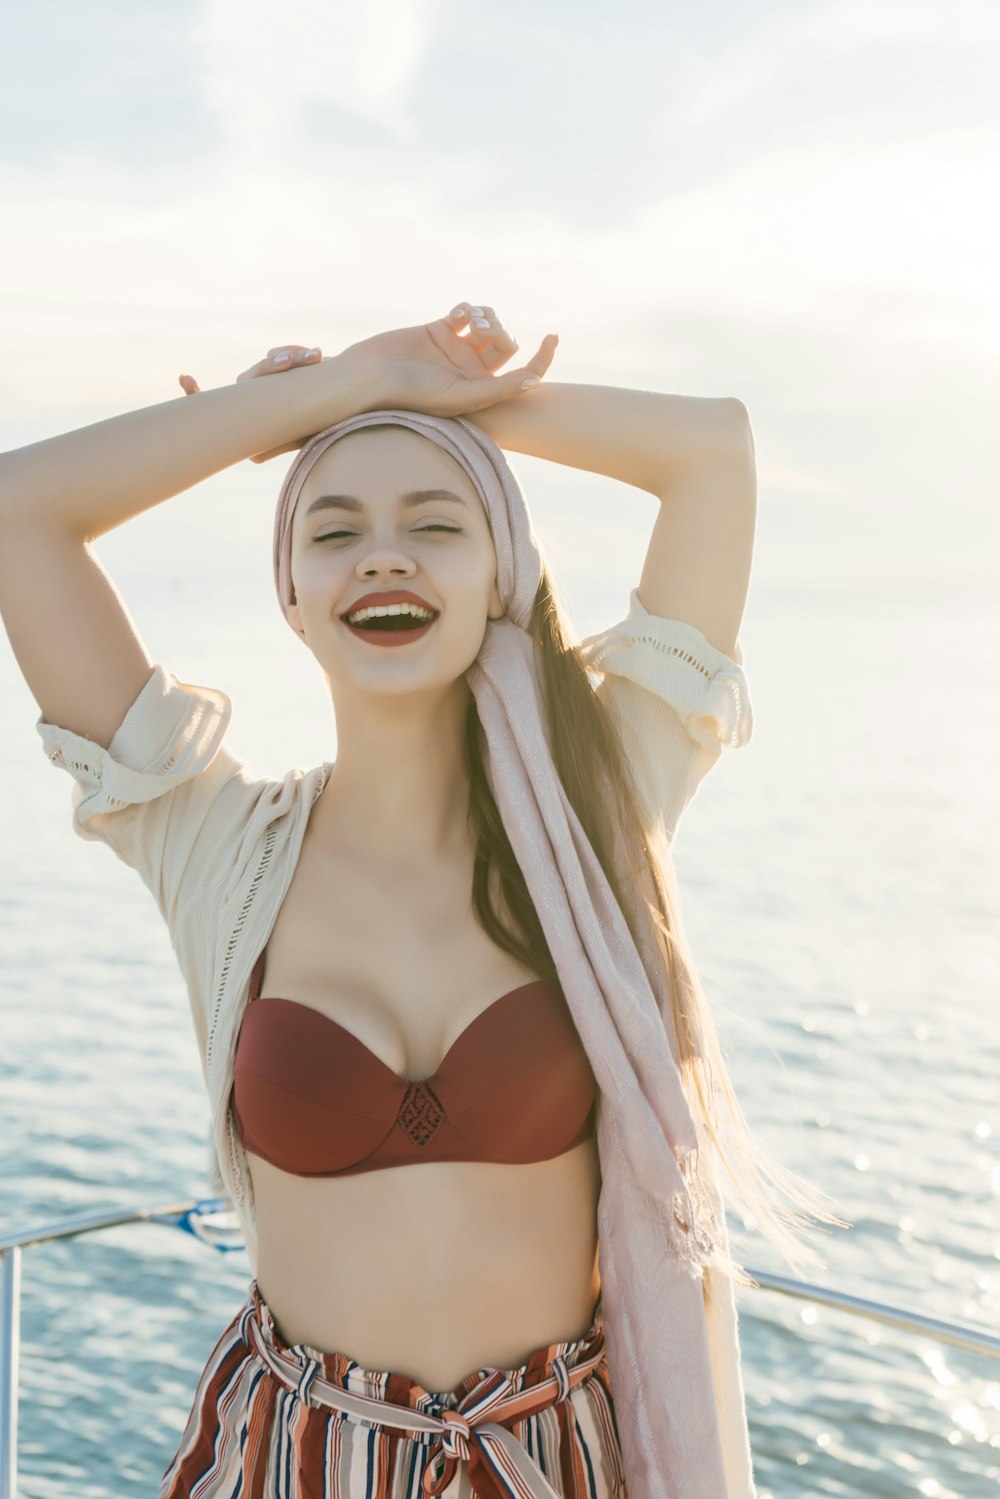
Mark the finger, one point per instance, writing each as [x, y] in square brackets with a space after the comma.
[487, 337]
[483, 321]
[292, 354]
[493, 344]
[501, 348]
[189, 385]
[538, 364]
[464, 312]
[287, 349]
[499, 388]
[283, 357]
[491, 340]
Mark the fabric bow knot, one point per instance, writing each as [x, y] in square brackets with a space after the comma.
[499, 1467]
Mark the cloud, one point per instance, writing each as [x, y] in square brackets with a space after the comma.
[262, 64]
[796, 217]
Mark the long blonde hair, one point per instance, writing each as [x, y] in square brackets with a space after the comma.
[590, 759]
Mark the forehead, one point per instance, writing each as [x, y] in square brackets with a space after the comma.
[378, 465]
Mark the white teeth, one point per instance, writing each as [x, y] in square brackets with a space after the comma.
[380, 610]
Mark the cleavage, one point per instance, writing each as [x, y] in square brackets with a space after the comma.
[266, 991]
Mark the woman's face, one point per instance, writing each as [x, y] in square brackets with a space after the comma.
[441, 550]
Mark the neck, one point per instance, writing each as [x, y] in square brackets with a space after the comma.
[399, 792]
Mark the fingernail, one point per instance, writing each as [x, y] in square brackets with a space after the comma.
[282, 358]
[531, 380]
[310, 352]
[457, 312]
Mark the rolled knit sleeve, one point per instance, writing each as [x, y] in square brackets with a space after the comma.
[677, 700]
[167, 794]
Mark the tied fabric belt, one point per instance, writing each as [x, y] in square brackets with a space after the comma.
[474, 1432]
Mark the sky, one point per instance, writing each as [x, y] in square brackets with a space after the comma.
[788, 203]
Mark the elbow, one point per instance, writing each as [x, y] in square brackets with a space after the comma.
[741, 424]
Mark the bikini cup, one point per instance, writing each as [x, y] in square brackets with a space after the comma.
[514, 1088]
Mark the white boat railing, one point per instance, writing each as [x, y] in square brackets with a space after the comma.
[211, 1220]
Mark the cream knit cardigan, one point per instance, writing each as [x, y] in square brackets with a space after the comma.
[217, 848]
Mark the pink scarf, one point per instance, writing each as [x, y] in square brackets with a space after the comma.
[657, 1229]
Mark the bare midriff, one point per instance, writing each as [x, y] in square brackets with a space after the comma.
[433, 1270]
[438, 1269]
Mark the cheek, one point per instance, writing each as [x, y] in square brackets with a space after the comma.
[311, 572]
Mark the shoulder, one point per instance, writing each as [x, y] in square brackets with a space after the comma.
[676, 699]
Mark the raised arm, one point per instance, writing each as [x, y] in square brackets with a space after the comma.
[74, 641]
[694, 453]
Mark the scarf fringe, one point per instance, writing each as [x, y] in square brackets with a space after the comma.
[693, 1231]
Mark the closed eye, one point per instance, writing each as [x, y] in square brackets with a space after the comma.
[331, 535]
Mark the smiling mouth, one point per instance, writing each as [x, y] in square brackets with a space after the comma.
[390, 629]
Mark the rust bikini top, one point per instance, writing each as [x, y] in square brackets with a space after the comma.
[312, 1099]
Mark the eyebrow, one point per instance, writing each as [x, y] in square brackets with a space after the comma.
[408, 501]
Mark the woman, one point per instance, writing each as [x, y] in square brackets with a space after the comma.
[454, 948]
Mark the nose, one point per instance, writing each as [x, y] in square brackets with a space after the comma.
[374, 571]
[388, 562]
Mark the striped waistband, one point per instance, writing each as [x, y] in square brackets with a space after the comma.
[475, 1431]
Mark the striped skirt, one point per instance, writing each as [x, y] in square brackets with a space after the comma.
[272, 1421]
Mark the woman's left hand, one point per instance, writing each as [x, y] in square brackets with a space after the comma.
[429, 367]
[433, 368]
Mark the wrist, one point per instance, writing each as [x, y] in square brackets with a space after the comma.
[340, 386]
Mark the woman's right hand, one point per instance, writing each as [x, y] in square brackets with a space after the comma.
[282, 357]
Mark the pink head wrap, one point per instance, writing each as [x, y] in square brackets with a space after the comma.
[519, 560]
[658, 1225]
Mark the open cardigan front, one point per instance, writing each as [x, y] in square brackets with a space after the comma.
[217, 848]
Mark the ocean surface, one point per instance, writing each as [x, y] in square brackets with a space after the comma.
[840, 878]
